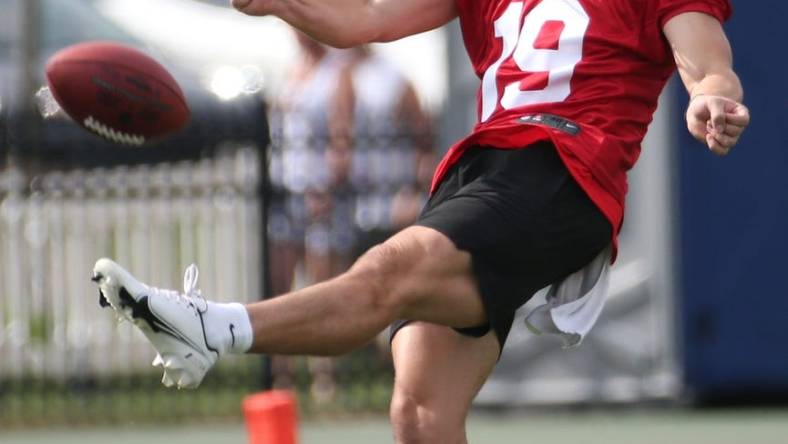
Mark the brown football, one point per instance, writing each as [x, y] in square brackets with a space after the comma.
[117, 92]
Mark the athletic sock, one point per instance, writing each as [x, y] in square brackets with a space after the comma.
[230, 325]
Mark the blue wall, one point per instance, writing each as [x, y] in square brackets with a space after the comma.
[734, 226]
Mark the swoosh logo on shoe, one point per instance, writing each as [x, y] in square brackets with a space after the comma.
[140, 309]
[232, 327]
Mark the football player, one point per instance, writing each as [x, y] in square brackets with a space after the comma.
[534, 194]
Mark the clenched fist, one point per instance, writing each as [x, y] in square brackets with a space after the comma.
[717, 121]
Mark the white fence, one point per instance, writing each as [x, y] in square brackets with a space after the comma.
[154, 220]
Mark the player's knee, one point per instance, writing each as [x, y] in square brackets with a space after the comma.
[415, 421]
[384, 272]
[403, 270]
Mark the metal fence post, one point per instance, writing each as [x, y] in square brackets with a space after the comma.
[264, 194]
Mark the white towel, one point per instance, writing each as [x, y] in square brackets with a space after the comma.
[573, 305]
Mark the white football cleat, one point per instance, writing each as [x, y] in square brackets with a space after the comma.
[173, 322]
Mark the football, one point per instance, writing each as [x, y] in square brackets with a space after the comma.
[117, 92]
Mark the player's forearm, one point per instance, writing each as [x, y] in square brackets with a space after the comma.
[338, 23]
[703, 55]
[346, 23]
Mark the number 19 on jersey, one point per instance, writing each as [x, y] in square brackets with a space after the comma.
[550, 42]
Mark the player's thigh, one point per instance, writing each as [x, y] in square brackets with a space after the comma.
[438, 372]
[426, 277]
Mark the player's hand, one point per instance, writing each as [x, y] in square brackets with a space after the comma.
[717, 121]
[255, 7]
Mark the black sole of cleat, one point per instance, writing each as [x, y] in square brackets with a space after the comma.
[96, 277]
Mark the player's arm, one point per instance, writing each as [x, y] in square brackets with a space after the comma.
[715, 115]
[347, 23]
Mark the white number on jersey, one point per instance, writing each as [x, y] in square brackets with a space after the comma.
[568, 18]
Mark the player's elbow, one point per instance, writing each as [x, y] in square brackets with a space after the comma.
[345, 41]
[352, 37]
[387, 37]
[374, 27]
[338, 42]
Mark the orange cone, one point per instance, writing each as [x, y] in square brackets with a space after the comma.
[271, 417]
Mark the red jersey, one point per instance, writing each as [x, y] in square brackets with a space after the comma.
[584, 74]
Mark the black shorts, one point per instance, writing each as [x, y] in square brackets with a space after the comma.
[524, 220]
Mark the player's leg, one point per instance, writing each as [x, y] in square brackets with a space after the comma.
[417, 274]
[438, 372]
[521, 214]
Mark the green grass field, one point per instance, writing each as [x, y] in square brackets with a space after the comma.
[618, 426]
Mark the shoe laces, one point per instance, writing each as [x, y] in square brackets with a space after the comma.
[191, 295]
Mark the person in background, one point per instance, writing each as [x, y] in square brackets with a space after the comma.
[392, 143]
[307, 114]
[379, 136]
[302, 117]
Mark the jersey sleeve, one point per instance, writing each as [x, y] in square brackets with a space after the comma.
[667, 9]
